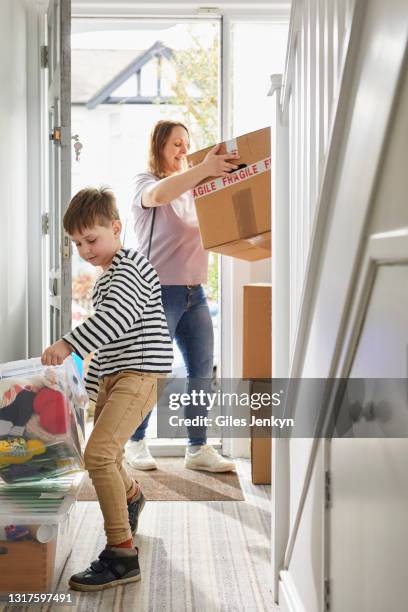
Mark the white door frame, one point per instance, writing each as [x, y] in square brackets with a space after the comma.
[236, 273]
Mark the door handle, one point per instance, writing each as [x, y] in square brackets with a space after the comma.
[53, 284]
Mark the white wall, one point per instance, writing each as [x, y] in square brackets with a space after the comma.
[20, 179]
[13, 180]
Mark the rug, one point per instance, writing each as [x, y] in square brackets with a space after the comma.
[172, 482]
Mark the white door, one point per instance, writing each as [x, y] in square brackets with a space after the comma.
[58, 64]
[367, 517]
[369, 531]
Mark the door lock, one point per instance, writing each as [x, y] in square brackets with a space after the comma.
[56, 134]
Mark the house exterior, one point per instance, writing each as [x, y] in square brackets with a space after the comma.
[117, 96]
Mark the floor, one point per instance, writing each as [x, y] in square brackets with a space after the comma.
[206, 556]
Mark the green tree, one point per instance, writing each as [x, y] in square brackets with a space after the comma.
[196, 89]
[196, 93]
[212, 285]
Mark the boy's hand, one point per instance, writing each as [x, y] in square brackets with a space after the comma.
[56, 353]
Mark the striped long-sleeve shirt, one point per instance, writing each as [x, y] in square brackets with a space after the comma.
[128, 330]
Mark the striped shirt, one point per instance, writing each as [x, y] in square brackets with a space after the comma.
[128, 330]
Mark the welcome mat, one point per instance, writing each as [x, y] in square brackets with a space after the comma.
[172, 482]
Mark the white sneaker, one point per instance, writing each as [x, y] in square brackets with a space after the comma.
[138, 456]
[207, 459]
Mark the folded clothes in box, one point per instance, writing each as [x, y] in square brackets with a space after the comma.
[42, 420]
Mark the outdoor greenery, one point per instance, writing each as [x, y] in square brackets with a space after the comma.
[196, 92]
[196, 89]
[212, 285]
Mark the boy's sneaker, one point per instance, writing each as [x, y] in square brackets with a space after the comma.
[138, 455]
[135, 506]
[109, 570]
[208, 460]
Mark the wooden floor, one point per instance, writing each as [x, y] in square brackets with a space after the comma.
[194, 556]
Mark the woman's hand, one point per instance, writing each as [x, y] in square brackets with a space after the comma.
[217, 164]
[171, 187]
[56, 353]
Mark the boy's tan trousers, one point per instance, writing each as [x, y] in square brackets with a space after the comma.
[123, 401]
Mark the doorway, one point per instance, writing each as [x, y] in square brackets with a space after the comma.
[125, 76]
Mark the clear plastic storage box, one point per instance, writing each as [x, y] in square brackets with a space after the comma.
[42, 420]
[36, 533]
[42, 436]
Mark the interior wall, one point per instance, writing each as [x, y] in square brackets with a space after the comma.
[261, 271]
[13, 180]
[21, 180]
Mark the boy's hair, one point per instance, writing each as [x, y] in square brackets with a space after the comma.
[90, 207]
[158, 138]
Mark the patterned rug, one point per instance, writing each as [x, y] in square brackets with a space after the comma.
[172, 482]
[212, 556]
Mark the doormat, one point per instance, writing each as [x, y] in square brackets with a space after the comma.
[172, 482]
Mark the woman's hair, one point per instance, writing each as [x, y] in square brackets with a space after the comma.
[159, 136]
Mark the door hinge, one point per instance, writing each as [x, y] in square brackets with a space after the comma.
[44, 56]
[326, 595]
[45, 224]
[327, 489]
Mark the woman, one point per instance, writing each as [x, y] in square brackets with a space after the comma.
[167, 230]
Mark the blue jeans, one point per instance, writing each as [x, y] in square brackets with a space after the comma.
[189, 323]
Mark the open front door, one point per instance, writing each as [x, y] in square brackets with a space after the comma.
[57, 60]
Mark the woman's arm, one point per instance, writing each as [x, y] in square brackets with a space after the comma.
[170, 188]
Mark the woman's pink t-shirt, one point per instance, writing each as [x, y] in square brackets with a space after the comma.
[176, 251]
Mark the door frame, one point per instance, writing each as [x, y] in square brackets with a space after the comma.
[233, 273]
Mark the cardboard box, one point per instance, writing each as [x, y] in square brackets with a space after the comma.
[27, 566]
[234, 212]
[34, 544]
[261, 460]
[257, 338]
[257, 364]
[261, 441]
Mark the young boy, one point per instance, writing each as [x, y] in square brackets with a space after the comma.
[128, 333]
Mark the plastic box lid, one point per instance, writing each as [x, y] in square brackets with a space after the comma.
[45, 502]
